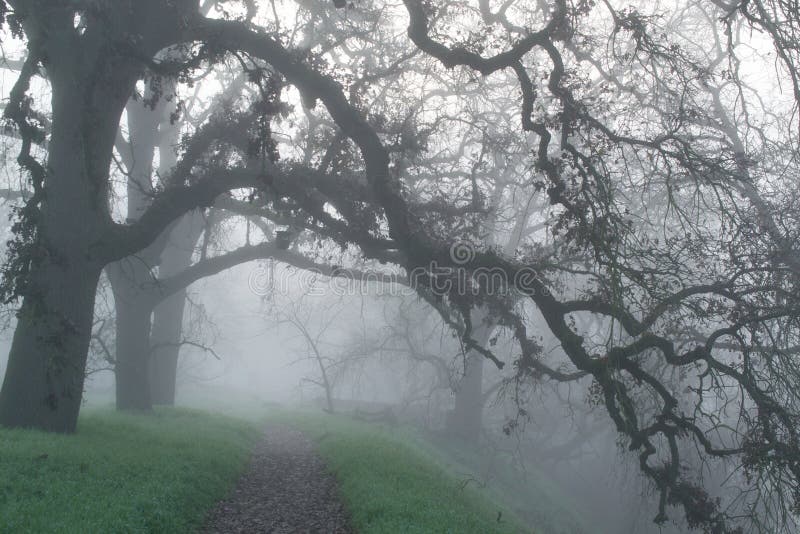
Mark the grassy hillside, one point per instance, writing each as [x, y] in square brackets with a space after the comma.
[121, 473]
[162, 473]
[526, 490]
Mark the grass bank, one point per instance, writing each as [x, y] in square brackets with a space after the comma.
[526, 490]
[389, 484]
[121, 473]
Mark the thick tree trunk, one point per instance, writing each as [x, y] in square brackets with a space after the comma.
[44, 379]
[43, 383]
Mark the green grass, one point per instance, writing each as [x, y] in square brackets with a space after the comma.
[527, 491]
[121, 473]
[389, 484]
[162, 473]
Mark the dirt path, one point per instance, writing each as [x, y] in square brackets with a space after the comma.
[285, 489]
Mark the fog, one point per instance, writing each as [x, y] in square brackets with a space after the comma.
[554, 244]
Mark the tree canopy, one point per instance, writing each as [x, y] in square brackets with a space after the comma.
[628, 173]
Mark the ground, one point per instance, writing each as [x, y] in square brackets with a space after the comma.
[264, 470]
[286, 488]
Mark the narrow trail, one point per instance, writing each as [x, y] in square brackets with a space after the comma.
[285, 489]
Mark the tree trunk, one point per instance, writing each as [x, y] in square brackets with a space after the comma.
[44, 379]
[43, 384]
[465, 421]
[166, 337]
[165, 345]
[133, 362]
[133, 310]
[131, 278]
